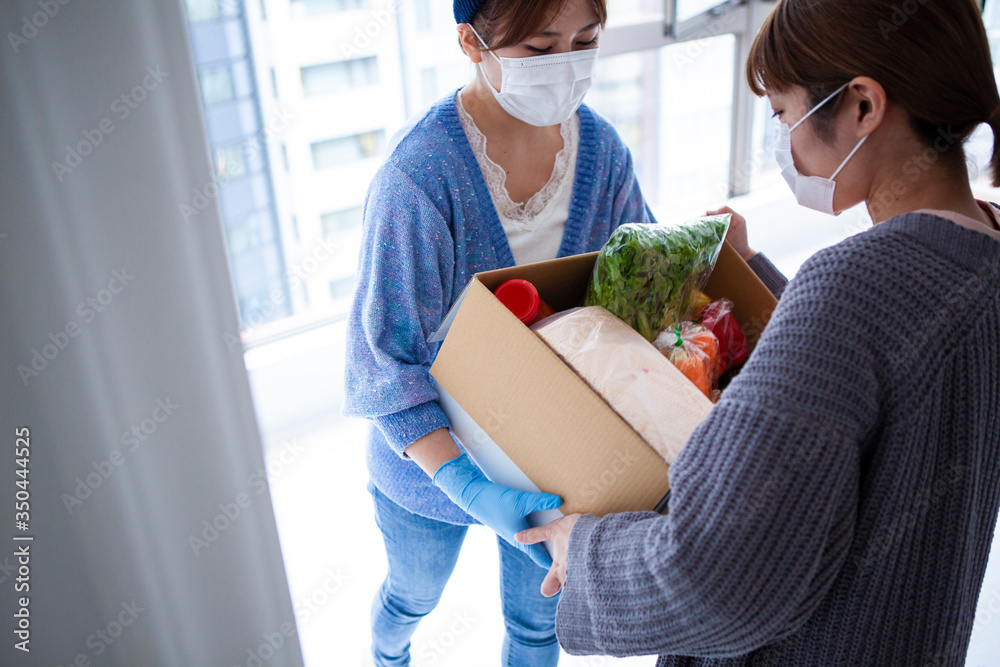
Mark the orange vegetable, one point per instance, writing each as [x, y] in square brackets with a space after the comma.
[693, 369]
[704, 341]
[694, 350]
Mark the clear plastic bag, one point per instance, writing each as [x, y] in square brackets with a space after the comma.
[646, 274]
[695, 352]
[636, 380]
[718, 317]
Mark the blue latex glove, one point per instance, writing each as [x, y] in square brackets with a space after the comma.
[501, 508]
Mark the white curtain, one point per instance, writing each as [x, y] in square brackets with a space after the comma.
[154, 541]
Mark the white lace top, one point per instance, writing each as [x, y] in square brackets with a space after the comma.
[535, 228]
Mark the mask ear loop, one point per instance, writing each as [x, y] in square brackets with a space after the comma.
[820, 105]
[817, 108]
[848, 158]
[483, 42]
[480, 65]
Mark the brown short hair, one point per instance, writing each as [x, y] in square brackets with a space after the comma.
[931, 56]
[517, 20]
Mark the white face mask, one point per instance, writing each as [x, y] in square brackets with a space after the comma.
[810, 191]
[543, 90]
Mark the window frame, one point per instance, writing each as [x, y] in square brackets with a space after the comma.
[739, 18]
[227, 68]
[376, 137]
[358, 72]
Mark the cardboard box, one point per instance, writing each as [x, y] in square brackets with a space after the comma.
[529, 421]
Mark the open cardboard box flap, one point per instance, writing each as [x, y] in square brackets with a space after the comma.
[553, 427]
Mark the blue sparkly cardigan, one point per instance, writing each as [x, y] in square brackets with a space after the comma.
[429, 225]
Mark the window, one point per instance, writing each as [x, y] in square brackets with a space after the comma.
[202, 10]
[210, 10]
[217, 85]
[230, 162]
[698, 129]
[341, 288]
[623, 12]
[687, 9]
[620, 88]
[424, 18]
[980, 145]
[669, 102]
[245, 236]
[333, 77]
[429, 85]
[313, 7]
[344, 150]
[340, 221]
[258, 309]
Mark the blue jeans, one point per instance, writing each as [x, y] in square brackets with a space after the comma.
[422, 554]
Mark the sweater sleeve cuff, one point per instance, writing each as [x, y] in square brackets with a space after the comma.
[403, 428]
[573, 623]
[768, 273]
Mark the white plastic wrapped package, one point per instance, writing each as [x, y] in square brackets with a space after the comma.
[635, 379]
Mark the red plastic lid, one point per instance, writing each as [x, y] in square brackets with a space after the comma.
[520, 297]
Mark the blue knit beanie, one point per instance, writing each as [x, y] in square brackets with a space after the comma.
[465, 10]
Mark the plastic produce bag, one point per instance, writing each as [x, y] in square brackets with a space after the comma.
[695, 351]
[645, 274]
[638, 382]
[719, 319]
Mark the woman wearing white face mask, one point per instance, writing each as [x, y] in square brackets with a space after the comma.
[837, 506]
[511, 169]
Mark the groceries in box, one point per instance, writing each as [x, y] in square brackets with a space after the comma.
[586, 406]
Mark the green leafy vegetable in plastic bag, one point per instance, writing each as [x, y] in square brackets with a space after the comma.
[645, 274]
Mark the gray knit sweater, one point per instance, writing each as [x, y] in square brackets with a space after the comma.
[837, 506]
